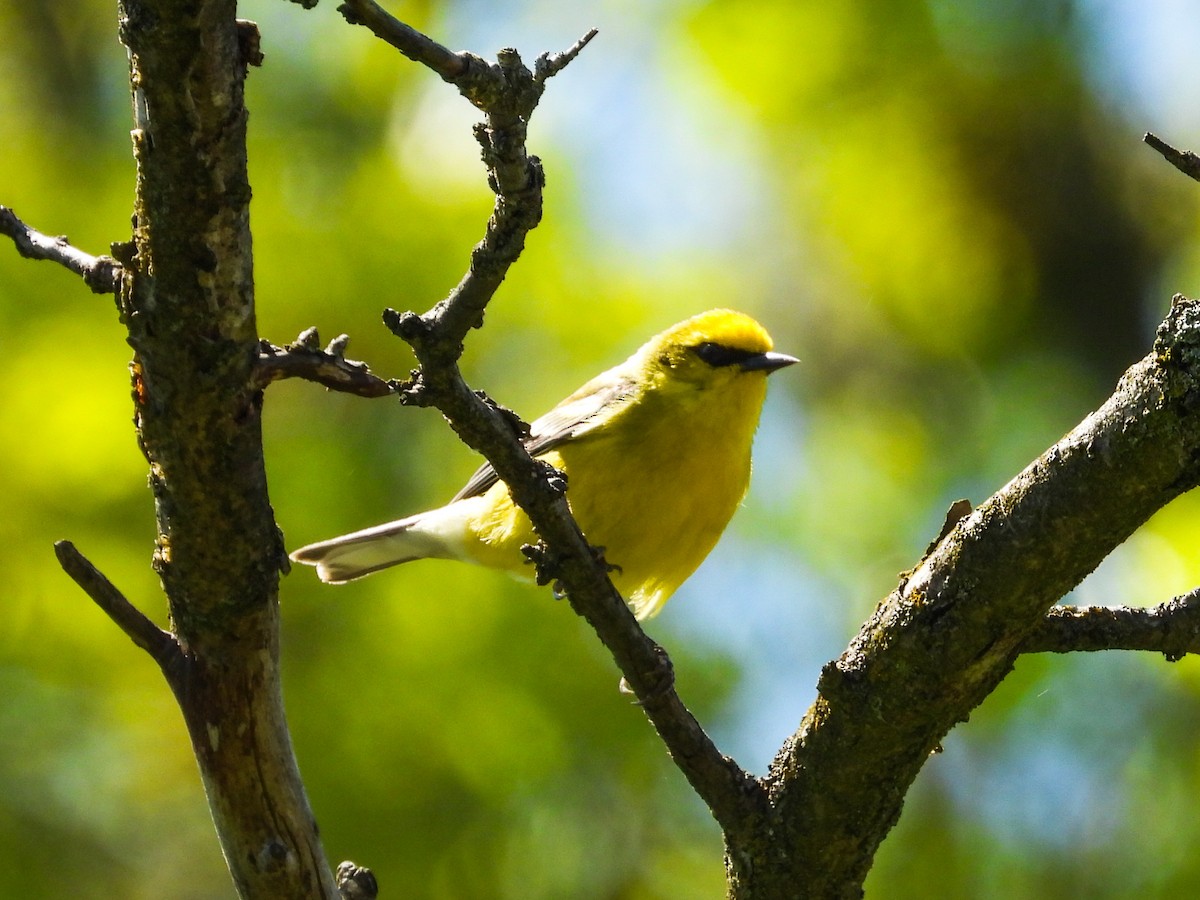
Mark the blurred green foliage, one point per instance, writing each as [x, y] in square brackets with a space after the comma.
[943, 208]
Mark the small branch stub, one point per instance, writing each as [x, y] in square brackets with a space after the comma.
[100, 273]
[550, 64]
[356, 882]
[304, 358]
[1185, 161]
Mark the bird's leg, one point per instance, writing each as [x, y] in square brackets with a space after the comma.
[546, 565]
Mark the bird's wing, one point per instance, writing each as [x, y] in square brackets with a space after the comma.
[590, 406]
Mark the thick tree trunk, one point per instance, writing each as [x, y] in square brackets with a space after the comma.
[188, 302]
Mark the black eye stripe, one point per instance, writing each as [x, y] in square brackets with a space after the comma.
[719, 355]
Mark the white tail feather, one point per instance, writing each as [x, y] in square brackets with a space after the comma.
[438, 533]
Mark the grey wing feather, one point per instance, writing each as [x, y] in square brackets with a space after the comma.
[576, 415]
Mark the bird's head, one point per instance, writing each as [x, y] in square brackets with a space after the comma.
[713, 348]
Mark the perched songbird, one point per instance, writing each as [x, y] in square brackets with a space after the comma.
[657, 457]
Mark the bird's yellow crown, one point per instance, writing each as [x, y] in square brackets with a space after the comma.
[725, 328]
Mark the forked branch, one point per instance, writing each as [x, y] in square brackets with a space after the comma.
[507, 92]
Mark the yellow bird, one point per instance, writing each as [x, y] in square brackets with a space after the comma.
[657, 457]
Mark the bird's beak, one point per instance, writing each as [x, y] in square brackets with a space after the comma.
[767, 362]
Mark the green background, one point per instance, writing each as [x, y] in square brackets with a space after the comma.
[943, 208]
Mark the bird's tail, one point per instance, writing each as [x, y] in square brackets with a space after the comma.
[351, 556]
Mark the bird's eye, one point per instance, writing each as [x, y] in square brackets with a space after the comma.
[719, 355]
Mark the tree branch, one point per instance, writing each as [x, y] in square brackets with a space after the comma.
[942, 641]
[508, 92]
[161, 645]
[1185, 161]
[550, 64]
[100, 273]
[412, 43]
[477, 79]
[1171, 628]
[303, 358]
